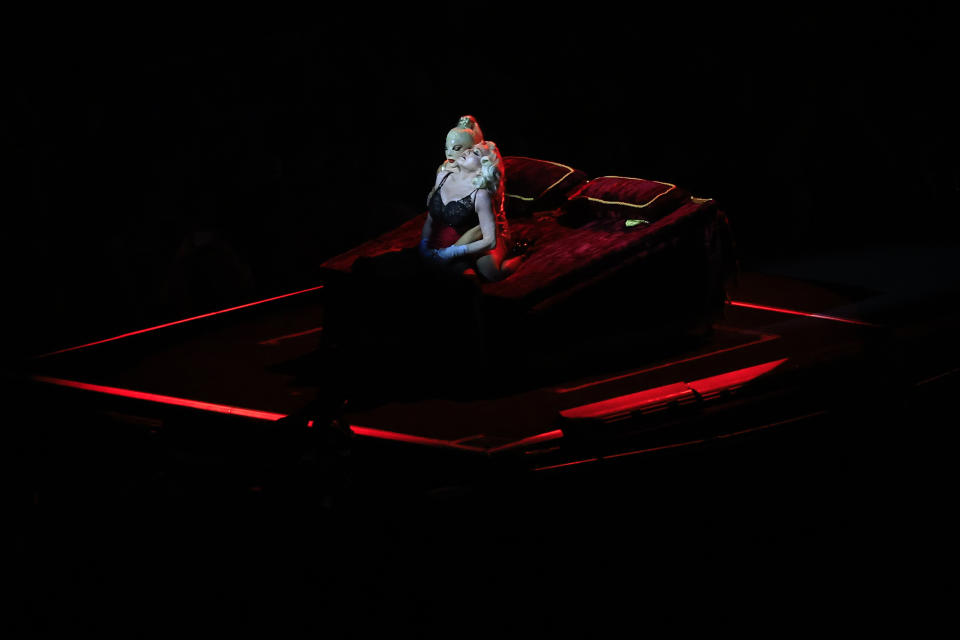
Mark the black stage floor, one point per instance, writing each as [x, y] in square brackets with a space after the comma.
[790, 470]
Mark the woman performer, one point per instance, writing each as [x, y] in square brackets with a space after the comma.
[466, 227]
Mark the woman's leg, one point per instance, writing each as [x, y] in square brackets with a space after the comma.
[492, 265]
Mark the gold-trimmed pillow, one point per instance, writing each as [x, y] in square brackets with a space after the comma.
[622, 198]
[537, 185]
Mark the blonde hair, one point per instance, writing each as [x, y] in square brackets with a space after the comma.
[491, 167]
[492, 177]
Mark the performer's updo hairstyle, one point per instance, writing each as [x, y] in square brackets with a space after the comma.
[469, 122]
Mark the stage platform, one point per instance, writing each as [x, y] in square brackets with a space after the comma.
[788, 465]
[796, 341]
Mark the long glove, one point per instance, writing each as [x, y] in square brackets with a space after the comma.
[425, 252]
[441, 256]
[452, 252]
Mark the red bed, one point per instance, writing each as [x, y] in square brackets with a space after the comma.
[606, 251]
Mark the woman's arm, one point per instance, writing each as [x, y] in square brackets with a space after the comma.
[470, 235]
[436, 185]
[488, 227]
[427, 229]
[428, 223]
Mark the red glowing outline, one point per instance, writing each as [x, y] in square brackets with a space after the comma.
[936, 377]
[567, 464]
[733, 379]
[173, 400]
[772, 424]
[625, 404]
[683, 444]
[170, 324]
[249, 413]
[404, 437]
[542, 437]
[750, 305]
[652, 449]
[650, 399]
[268, 415]
[765, 337]
[273, 341]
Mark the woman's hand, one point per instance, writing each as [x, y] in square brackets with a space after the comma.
[428, 254]
[440, 256]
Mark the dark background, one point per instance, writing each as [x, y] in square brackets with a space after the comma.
[158, 166]
[162, 165]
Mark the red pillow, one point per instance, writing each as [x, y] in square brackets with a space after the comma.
[537, 185]
[623, 198]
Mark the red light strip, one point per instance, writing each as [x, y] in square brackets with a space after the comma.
[677, 392]
[567, 464]
[154, 397]
[750, 305]
[273, 341]
[405, 437]
[652, 449]
[175, 322]
[731, 379]
[936, 377]
[772, 424]
[620, 405]
[242, 411]
[543, 437]
[683, 444]
[764, 338]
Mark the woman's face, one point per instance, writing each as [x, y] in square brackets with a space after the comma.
[469, 160]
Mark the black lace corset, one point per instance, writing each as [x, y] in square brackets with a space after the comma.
[460, 214]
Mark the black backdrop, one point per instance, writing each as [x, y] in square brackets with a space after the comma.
[162, 165]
